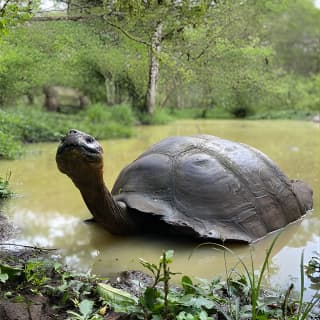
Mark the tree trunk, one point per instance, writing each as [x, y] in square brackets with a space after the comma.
[110, 91]
[153, 69]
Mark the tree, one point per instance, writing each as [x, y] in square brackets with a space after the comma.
[295, 34]
[224, 58]
[13, 12]
[155, 23]
[150, 23]
[34, 55]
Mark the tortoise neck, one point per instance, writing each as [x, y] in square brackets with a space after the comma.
[105, 210]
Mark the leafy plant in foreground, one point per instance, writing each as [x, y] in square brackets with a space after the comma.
[64, 289]
[239, 297]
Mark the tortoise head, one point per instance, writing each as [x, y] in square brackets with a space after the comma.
[79, 155]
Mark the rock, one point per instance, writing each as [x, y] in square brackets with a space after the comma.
[63, 99]
[34, 309]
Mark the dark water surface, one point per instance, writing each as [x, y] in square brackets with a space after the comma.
[50, 211]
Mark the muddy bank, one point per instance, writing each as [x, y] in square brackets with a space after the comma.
[25, 300]
[14, 306]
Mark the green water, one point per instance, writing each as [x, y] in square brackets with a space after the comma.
[49, 210]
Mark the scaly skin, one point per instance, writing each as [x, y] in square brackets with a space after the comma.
[80, 157]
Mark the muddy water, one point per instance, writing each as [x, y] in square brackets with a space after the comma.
[49, 210]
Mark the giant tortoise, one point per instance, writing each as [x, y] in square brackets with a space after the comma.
[201, 187]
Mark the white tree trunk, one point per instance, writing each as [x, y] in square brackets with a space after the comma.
[110, 91]
[155, 50]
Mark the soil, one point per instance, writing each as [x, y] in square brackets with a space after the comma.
[28, 306]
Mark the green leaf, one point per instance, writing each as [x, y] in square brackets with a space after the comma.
[150, 266]
[150, 297]
[204, 316]
[86, 307]
[12, 272]
[4, 277]
[185, 316]
[197, 302]
[168, 256]
[187, 285]
[113, 295]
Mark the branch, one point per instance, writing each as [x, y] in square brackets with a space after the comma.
[90, 17]
[65, 18]
[29, 247]
[4, 7]
[126, 33]
[167, 35]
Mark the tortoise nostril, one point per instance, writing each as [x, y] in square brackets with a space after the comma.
[73, 131]
[89, 139]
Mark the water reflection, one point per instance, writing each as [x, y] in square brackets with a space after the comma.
[50, 212]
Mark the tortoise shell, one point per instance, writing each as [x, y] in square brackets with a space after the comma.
[211, 188]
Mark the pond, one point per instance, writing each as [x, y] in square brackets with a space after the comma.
[50, 212]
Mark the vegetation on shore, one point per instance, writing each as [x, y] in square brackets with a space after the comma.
[87, 297]
[23, 124]
[5, 191]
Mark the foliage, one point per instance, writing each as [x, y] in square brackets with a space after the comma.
[4, 187]
[36, 55]
[121, 69]
[239, 297]
[9, 147]
[23, 125]
[159, 116]
[14, 12]
[294, 33]
[48, 277]
[244, 57]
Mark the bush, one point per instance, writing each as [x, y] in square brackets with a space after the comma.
[160, 116]
[123, 114]
[96, 113]
[4, 188]
[240, 111]
[26, 124]
[9, 147]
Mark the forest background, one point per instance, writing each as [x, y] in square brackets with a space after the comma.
[147, 61]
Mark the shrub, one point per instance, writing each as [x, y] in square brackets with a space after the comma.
[9, 147]
[32, 124]
[4, 188]
[160, 116]
[123, 114]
